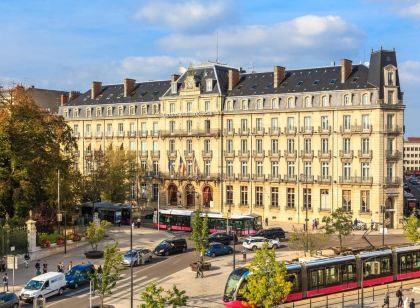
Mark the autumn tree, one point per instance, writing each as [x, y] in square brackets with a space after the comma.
[339, 223]
[411, 228]
[267, 285]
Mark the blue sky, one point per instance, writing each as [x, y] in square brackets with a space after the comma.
[68, 43]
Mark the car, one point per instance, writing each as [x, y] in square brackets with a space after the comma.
[78, 275]
[43, 286]
[137, 256]
[272, 233]
[9, 300]
[218, 249]
[167, 247]
[222, 237]
[256, 242]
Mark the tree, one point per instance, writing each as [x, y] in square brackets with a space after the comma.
[96, 233]
[200, 230]
[297, 240]
[154, 298]
[104, 282]
[340, 223]
[266, 285]
[410, 228]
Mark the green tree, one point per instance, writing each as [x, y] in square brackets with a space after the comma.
[153, 297]
[200, 230]
[340, 223]
[410, 228]
[96, 233]
[104, 282]
[298, 238]
[267, 285]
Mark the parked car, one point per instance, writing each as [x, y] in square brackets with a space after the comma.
[167, 247]
[272, 233]
[218, 249]
[9, 300]
[256, 242]
[137, 256]
[222, 237]
[43, 286]
[79, 274]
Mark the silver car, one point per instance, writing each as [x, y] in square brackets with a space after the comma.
[137, 256]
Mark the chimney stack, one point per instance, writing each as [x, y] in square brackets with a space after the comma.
[174, 77]
[74, 95]
[63, 99]
[233, 77]
[95, 89]
[346, 68]
[278, 75]
[129, 85]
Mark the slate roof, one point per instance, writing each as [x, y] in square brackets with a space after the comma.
[47, 100]
[114, 94]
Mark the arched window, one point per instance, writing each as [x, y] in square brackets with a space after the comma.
[275, 103]
[347, 100]
[365, 99]
[229, 106]
[173, 194]
[143, 109]
[155, 109]
[260, 103]
[325, 101]
[291, 102]
[244, 104]
[190, 195]
[308, 101]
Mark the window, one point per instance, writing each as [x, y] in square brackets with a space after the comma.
[75, 113]
[172, 108]
[172, 126]
[229, 168]
[325, 170]
[324, 123]
[274, 169]
[88, 130]
[207, 146]
[155, 167]
[390, 78]
[364, 201]
[258, 146]
[365, 99]
[346, 200]
[275, 103]
[209, 85]
[365, 171]
[259, 168]
[132, 110]
[346, 145]
[143, 128]
[291, 102]
[109, 130]
[325, 101]
[66, 113]
[109, 112]
[290, 198]
[229, 106]
[143, 109]
[390, 145]
[307, 145]
[99, 112]
[244, 104]
[189, 126]
[174, 87]
[390, 121]
[260, 104]
[274, 124]
[390, 97]
[307, 169]
[347, 100]
[365, 122]
[274, 197]
[324, 145]
[346, 170]
[189, 146]
[229, 194]
[244, 125]
[290, 169]
[390, 170]
[325, 199]
[244, 145]
[132, 129]
[189, 167]
[132, 146]
[207, 167]
[143, 146]
[258, 196]
[274, 146]
[172, 146]
[244, 195]
[244, 168]
[98, 130]
[88, 112]
[155, 109]
[229, 146]
[308, 101]
[120, 129]
[290, 123]
[207, 106]
[347, 122]
[307, 124]
[155, 146]
[307, 198]
[258, 124]
[290, 146]
[76, 129]
[189, 107]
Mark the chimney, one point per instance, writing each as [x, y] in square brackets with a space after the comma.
[233, 78]
[278, 75]
[63, 99]
[129, 85]
[74, 95]
[95, 89]
[174, 77]
[346, 67]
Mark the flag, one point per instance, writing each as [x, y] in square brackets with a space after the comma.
[196, 168]
[182, 168]
[170, 167]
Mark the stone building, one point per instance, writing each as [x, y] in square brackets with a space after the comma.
[412, 155]
[282, 144]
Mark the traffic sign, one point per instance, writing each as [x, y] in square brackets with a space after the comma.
[59, 217]
[11, 262]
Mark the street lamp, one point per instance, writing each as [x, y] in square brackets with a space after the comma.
[305, 178]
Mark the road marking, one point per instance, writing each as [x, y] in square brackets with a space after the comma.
[77, 291]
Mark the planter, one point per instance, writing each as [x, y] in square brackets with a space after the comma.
[206, 266]
[95, 254]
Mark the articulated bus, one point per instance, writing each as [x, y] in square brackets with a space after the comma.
[180, 220]
[324, 276]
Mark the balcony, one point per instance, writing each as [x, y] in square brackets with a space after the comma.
[364, 180]
[109, 135]
[258, 154]
[172, 154]
[290, 130]
[306, 178]
[392, 181]
[359, 180]
[243, 132]
[324, 179]
[258, 177]
[347, 130]
[189, 154]
[144, 133]
[155, 154]
[229, 154]
[229, 132]
[290, 178]
[76, 154]
[153, 133]
[120, 134]
[307, 154]
[76, 135]
[290, 154]
[366, 154]
[132, 133]
[243, 154]
[207, 154]
[143, 154]
[230, 177]
[307, 130]
[367, 129]
[274, 177]
[243, 177]
[99, 135]
[393, 129]
[393, 155]
[88, 153]
[260, 131]
[347, 180]
[274, 131]
[324, 154]
[275, 154]
[192, 133]
[324, 130]
[346, 154]
[87, 135]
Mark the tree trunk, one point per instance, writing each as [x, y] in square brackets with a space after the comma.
[102, 301]
[341, 242]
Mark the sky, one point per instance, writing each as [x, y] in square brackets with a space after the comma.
[66, 44]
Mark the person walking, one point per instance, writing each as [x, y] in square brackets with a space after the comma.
[38, 268]
[399, 295]
[26, 259]
[3, 264]
[199, 270]
[45, 267]
[70, 265]
[386, 300]
[244, 255]
[99, 270]
[5, 283]
[138, 222]
[412, 304]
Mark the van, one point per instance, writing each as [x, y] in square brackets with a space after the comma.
[167, 247]
[43, 286]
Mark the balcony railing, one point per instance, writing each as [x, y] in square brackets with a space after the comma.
[307, 130]
[324, 154]
[260, 154]
[290, 178]
[99, 135]
[243, 132]
[362, 129]
[347, 130]
[192, 176]
[393, 155]
[274, 154]
[360, 180]
[229, 132]
[228, 176]
[307, 154]
[76, 135]
[243, 154]
[324, 179]
[290, 130]
[120, 134]
[109, 134]
[368, 154]
[324, 130]
[274, 131]
[306, 178]
[274, 177]
[207, 154]
[258, 177]
[186, 133]
[243, 176]
[394, 129]
[346, 154]
[172, 154]
[392, 181]
[229, 154]
[143, 154]
[189, 154]
[155, 154]
[258, 131]
[347, 180]
[290, 154]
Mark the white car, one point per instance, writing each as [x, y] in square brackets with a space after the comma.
[256, 242]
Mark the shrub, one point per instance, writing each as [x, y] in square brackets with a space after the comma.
[45, 243]
[76, 237]
[59, 241]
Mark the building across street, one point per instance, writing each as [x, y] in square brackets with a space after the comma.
[412, 155]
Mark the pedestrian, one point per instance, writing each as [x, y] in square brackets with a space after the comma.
[70, 265]
[412, 304]
[38, 268]
[5, 283]
[60, 267]
[99, 270]
[26, 259]
[138, 222]
[355, 222]
[313, 224]
[45, 267]
[386, 300]
[199, 271]
[244, 255]
[266, 221]
[316, 223]
[399, 295]
[406, 302]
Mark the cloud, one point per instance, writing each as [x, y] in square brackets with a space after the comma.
[412, 10]
[192, 15]
[408, 72]
[310, 36]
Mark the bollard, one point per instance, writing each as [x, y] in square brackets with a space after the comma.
[358, 296]
[342, 300]
[373, 293]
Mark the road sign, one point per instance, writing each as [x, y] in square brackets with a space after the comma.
[59, 217]
[11, 262]
[12, 248]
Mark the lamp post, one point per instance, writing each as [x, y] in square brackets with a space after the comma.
[131, 263]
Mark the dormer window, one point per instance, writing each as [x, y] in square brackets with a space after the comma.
[390, 78]
[308, 101]
[347, 100]
[88, 112]
[244, 104]
[260, 103]
[155, 109]
[75, 113]
[229, 105]
[291, 102]
[275, 103]
[109, 112]
[99, 112]
[120, 110]
[143, 109]
[365, 99]
[66, 113]
[325, 101]
[174, 87]
[209, 85]
[132, 110]
[207, 106]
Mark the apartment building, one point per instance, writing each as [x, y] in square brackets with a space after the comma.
[282, 144]
[412, 155]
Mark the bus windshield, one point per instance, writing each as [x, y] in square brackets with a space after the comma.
[232, 284]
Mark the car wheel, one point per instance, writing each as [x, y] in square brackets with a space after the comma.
[150, 259]
[230, 251]
[184, 249]
[60, 291]
[254, 248]
[75, 286]
[167, 253]
[213, 255]
[275, 246]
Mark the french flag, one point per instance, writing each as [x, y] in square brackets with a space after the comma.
[182, 167]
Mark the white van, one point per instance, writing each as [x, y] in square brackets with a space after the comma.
[43, 286]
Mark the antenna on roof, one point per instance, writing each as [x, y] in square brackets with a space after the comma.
[217, 47]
